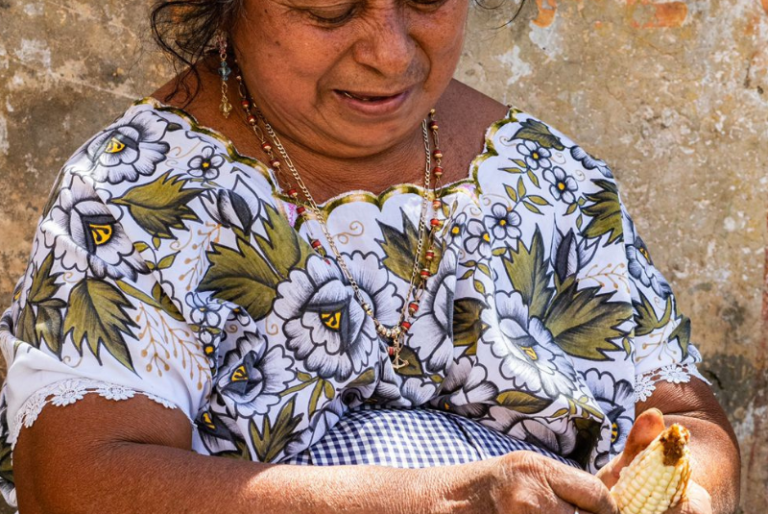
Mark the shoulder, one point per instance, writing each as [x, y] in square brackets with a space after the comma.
[529, 143]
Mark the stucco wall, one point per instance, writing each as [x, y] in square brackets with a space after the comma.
[672, 94]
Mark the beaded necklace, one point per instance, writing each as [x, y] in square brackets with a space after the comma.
[420, 271]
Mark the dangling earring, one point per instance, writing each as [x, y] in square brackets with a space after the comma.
[224, 71]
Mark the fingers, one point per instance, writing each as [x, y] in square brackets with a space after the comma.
[580, 489]
[646, 428]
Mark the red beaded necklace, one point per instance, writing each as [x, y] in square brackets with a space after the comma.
[310, 210]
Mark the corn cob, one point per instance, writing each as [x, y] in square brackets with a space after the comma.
[657, 477]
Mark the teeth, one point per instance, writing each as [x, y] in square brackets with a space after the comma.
[362, 98]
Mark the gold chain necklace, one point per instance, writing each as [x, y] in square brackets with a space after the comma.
[395, 334]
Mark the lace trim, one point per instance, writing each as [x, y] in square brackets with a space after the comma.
[66, 392]
[645, 384]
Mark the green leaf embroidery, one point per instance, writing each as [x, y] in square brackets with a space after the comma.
[511, 192]
[531, 208]
[140, 246]
[272, 439]
[683, 335]
[512, 170]
[167, 261]
[605, 212]
[366, 378]
[538, 200]
[315, 398]
[583, 322]
[414, 365]
[97, 316]
[399, 248]
[538, 132]
[467, 326]
[243, 277]
[645, 316]
[522, 402]
[520, 163]
[328, 390]
[479, 287]
[282, 247]
[160, 206]
[528, 270]
[571, 209]
[533, 178]
[521, 188]
[159, 299]
[46, 325]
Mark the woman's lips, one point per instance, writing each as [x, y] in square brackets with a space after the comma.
[372, 103]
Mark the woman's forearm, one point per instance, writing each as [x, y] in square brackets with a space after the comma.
[141, 478]
[715, 460]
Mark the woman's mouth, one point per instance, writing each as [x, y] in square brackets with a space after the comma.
[372, 102]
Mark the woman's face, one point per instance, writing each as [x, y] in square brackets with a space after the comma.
[348, 78]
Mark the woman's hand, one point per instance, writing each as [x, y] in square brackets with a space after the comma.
[524, 482]
[647, 426]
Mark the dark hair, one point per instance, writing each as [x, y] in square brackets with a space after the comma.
[185, 31]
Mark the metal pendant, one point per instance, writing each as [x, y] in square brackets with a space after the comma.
[399, 362]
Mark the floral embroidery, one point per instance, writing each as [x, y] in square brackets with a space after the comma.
[190, 285]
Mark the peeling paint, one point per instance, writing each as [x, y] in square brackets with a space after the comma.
[515, 66]
[33, 51]
[4, 145]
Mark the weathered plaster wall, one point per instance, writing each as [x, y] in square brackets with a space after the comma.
[673, 94]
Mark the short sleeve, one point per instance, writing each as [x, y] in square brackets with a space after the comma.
[92, 316]
[662, 335]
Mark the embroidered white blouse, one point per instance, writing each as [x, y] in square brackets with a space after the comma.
[168, 265]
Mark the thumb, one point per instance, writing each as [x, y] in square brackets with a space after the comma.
[646, 428]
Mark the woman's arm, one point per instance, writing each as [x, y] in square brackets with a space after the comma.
[86, 458]
[126, 457]
[714, 448]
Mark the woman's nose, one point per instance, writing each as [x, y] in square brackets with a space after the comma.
[386, 46]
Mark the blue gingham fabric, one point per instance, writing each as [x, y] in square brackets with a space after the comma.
[410, 438]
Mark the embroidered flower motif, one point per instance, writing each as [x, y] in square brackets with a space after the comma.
[125, 150]
[238, 207]
[478, 239]
[457, 229]
[530, 357]
[324, 323]
[204, 313]
[206, 165]
[432, 332]
[617, 401]
[590, 162]
[68, 393]
[115, 392]
[162, 401]
[563, 185]
[675, 374]
[641, 268]
[252, 378]
[503, 223]
[556, 435]
[535, 156]
[31, 409]
[85, 235]
[465, 390]
[644, 388]
[640, 265]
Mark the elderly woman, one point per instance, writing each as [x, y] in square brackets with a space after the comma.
[316, 249]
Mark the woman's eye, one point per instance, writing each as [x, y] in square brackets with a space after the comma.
[332, 17]
[428, 3]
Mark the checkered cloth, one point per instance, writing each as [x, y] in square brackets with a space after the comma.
[410, 438]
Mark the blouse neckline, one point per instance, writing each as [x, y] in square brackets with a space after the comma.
[466, 184]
